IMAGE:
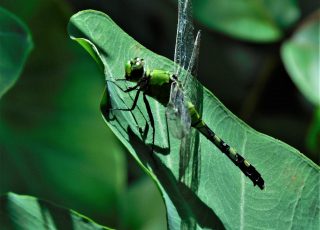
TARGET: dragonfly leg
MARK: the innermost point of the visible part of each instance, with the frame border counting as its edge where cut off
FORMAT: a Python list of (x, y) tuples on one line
[(148, 108), (120, 79), (129, 89), (134, 102), (115, 83)]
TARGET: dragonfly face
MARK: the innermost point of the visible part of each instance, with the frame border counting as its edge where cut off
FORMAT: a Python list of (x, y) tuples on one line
[(134, 69)]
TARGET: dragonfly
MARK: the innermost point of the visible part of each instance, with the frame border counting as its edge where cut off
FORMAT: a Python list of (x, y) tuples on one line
[(176, 90)]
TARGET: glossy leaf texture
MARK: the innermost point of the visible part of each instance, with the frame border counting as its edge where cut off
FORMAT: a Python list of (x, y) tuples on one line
[(26, 212), (300, 55), (202, 189), (251, 20), (15, 46)]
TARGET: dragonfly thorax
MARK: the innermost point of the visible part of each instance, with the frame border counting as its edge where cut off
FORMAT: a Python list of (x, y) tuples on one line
[(134, 69)]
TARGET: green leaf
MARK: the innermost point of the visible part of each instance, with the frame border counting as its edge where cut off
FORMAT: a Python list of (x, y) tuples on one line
[(15, 46), (51, 129), (139, 214), (300, 55), (213, 192), (26, 212), (77, 161), (252, 20)]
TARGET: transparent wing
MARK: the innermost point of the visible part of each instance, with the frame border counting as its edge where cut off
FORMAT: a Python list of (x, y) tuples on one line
[(178, 117), (193, 61), (184, 37), (179, 120), (190, 160), (189, 83)]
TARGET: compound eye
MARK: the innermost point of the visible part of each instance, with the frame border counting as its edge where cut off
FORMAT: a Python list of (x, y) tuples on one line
[(137, 63), (141, 61)]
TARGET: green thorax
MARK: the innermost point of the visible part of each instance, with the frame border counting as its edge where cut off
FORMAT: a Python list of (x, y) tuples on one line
[(159, 77), (159, 85)]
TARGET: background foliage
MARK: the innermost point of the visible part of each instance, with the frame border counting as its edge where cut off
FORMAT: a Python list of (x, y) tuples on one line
[(53, 141)]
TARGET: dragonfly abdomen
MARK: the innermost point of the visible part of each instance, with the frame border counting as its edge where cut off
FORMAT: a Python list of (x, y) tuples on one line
[(248, 169)]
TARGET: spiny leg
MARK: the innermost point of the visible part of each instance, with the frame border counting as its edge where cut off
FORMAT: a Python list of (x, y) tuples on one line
[(140, 87), (134, 105), (115, 83), (151, 119), (129, 89), (134, 101)]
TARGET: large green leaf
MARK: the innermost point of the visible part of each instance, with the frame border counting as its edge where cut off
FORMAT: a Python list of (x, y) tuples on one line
[(300, 55), (253, 20), (15, 46), (212, 193), (26, 212)]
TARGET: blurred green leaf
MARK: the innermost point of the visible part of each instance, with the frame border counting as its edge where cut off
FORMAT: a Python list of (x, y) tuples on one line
[(300, 55), (52, 130), (74, 158), (146, 210), (26, 212), (215, 194), (252, 20), (15, 46)]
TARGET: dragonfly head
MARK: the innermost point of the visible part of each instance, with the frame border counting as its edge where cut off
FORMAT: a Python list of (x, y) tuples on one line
[(134, 69)]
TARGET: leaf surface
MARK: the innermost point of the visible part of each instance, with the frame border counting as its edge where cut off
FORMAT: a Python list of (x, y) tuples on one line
[(26, 212), (204, 189)]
